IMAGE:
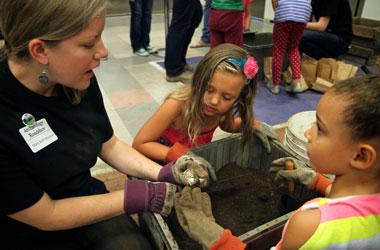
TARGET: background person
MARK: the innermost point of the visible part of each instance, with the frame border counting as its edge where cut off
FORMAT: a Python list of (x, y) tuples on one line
[(204, 41), (345, 142), (141, 19), (187, 15), (330, 35), (290, 19), (56, 127), (226, 22)]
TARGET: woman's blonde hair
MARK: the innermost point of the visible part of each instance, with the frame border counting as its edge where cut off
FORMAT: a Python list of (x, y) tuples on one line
[(50, 21), (216, 59)]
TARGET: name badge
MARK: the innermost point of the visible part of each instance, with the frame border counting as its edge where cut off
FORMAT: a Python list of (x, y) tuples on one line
[(38, 135)]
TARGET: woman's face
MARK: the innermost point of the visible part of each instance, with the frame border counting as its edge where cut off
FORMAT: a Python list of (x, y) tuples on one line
[(71, 61)]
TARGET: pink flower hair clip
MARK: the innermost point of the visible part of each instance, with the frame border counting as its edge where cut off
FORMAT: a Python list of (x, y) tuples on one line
[(249, 66)]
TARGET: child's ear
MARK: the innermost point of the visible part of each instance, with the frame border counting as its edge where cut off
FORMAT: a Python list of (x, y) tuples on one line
[(37, 50), (365, 156)]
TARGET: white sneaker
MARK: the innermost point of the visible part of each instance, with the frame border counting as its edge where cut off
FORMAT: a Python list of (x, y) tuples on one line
[(141, 52), (151, 50), (294, 88), (274, 89)]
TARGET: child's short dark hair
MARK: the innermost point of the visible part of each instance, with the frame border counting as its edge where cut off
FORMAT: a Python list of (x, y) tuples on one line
[(362, 114)]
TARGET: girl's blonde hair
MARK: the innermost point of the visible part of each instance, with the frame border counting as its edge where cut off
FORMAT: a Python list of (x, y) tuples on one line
[(216, 59), (50, 21)]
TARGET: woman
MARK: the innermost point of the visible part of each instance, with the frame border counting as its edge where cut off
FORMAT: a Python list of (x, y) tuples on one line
[(56, 127)]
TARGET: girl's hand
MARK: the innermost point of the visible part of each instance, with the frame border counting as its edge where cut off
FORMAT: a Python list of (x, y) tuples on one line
[(266, 134)]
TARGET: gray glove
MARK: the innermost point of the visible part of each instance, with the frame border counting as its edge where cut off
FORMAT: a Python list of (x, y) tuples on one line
[(301, 172), (188, 170), (194, 214), (266, 133)]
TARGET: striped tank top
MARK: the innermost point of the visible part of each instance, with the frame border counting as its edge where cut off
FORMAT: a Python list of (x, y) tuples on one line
[(346, 223), (292, 10)]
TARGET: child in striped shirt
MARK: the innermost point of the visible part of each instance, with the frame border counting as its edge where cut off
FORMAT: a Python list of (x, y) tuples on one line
[(290, 21)]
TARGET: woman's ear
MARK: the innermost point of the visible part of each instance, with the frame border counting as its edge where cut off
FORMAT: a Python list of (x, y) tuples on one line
[(364, 157), (37, 50)]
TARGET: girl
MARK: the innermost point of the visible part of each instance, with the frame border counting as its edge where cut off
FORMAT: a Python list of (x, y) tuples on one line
[(223, 87), (289, 23), (345, 141)]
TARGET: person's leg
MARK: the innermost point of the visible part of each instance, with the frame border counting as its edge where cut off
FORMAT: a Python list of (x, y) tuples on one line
[(205, 30), (296, 32), (216, 31), (177, 38), (120, 232), (280, 42), (318, 44), (135, 27), (146, 21), (196, 18), (232, 27)]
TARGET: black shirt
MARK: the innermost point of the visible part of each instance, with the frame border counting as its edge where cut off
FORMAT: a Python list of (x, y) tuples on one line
[(340, 15), (61, 169)]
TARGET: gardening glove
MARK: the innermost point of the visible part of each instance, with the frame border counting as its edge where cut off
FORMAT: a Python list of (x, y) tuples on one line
[(146, 196), (176, 151), (266, 134), (193, 209), (188, 170), (301, 173)]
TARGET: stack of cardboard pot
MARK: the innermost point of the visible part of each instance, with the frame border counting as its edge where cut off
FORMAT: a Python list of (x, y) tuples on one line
[(318, 75)]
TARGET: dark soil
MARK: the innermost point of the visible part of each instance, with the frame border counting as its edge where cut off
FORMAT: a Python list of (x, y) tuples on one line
[(242, 199)]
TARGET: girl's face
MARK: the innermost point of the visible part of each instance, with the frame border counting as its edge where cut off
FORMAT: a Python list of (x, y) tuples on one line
[(71, 62), (330, 147), (223, 90)]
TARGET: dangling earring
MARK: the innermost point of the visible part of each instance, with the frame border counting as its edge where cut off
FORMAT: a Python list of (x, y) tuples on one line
[(43, 78)]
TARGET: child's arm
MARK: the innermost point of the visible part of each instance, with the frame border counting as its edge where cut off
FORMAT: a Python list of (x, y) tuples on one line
[(248, 15), (263, 131), (274, 4), (321, 25), (300, 227), (146, 139)]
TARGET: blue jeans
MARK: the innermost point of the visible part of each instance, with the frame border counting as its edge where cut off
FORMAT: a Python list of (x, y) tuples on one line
[(187, 14), (205, 30), (317, 44), (141, 18)]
